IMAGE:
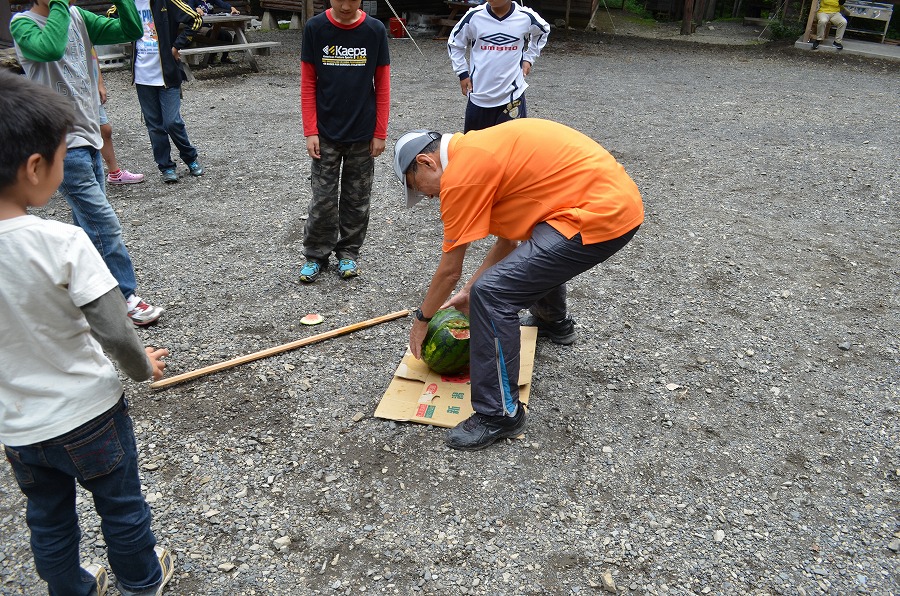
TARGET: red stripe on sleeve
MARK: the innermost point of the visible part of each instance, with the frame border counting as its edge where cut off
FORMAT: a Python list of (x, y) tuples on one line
[(308, 99), (382, 100)]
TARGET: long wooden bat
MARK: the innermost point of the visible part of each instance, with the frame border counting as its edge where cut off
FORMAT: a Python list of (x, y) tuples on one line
[(276, 350)]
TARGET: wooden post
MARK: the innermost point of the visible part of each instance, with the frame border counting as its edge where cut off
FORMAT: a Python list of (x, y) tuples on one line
[(309, 11), (807, 33), (687, 20)]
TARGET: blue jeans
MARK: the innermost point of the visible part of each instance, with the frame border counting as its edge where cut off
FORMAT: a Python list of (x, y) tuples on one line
[(84, 188), (161, 108), (102, 456), (534, 275)]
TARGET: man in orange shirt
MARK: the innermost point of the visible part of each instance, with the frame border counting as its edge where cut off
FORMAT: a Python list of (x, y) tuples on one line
[(558, 204)]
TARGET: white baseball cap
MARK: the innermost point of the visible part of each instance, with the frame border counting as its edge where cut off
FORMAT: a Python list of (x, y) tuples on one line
[(407, 147)]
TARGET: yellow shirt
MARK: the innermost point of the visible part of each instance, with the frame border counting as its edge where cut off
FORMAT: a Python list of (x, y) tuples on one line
[(829, 6), (506, 179)]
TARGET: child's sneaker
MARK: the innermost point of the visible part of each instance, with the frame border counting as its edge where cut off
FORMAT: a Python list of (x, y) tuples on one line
[(195, 168), (141, 313), (124, 177), (169, 175), (100, 576), (310, 271), (347, 268), (167, 563)]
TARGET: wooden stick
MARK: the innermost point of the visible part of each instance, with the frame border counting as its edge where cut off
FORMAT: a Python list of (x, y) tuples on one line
[(276, 350)]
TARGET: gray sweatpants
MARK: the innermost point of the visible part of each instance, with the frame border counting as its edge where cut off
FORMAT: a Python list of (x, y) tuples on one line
[(533, 275)]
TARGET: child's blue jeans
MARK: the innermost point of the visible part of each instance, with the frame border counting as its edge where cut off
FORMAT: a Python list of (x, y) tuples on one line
[(102, 456), (83, 187)]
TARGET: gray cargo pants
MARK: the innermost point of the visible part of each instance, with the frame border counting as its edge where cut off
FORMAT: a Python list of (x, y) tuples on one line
[(533, 275), (339, 208)]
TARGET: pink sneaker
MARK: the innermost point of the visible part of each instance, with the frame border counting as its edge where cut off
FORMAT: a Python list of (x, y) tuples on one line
[(124, 177)]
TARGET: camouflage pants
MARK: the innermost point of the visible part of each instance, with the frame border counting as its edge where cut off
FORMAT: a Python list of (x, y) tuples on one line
[(339, 208)]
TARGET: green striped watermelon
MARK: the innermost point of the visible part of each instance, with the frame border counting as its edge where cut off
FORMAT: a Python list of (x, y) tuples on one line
[(446, 346)]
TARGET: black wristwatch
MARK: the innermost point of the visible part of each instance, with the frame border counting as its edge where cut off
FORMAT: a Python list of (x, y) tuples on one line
[(421, 316)]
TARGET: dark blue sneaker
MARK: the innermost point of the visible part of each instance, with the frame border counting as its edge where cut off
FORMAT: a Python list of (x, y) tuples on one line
[(195, 168), (169, 176), (310, 272), (347, 268), (480, 430)]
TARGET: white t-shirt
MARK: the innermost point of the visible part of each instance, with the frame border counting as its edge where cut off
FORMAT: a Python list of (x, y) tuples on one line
[(147, 64), (54, 376), (498, 47)]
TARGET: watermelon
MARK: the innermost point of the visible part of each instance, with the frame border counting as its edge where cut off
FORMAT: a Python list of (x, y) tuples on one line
[(446, 346)]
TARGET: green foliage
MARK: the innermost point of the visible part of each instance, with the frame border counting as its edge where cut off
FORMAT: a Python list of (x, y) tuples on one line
[(785, 29), (637, 9)]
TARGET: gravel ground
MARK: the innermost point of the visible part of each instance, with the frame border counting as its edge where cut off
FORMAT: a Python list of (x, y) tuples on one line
[(727, 422)]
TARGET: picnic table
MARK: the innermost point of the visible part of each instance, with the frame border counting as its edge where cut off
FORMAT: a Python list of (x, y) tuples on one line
[(447, 23), (237, 23)]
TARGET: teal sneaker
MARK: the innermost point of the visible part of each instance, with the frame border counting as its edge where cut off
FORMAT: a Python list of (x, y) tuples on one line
[(169, 176), (310, 272), (195, 168), (347, 268)]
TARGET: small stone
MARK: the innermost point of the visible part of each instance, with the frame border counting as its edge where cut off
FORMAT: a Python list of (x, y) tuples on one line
[(607, 449), (241, 493), (283, 541), (358, 416), (845, 345), (672, 386), (894, 545), (150, 467), (226, 567), (719, 535), (609, 585)]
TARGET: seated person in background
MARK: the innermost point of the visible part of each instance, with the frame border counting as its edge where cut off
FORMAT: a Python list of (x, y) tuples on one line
[(830, 12), (205, 7)]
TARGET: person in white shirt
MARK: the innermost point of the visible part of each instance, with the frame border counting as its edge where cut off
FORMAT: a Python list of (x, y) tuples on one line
[(63, 414), (504, 39)]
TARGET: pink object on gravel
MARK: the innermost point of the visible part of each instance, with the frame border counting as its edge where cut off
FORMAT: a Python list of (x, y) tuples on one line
[(124, 177)]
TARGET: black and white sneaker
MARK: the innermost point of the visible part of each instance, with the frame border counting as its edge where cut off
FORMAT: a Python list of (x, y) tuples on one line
[(838, 45), (815, 44), (480, 430)]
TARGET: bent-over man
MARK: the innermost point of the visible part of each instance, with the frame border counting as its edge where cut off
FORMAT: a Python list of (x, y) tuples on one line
[(558, 204)]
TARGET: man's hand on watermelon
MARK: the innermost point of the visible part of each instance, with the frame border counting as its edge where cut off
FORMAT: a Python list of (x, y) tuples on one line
[(416, 337), (460, 301)]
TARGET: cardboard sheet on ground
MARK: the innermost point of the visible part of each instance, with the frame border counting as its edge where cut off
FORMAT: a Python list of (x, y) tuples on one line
[(416, 394)]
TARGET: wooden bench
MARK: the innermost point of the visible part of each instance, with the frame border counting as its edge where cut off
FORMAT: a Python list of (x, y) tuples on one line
[(251, 48), (300, 11)]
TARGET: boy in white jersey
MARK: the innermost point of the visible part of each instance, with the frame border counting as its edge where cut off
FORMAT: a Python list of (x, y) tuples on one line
[(505, 40)]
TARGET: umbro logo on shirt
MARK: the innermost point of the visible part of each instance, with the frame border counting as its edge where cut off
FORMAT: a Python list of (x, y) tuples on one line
[(499, 41)]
